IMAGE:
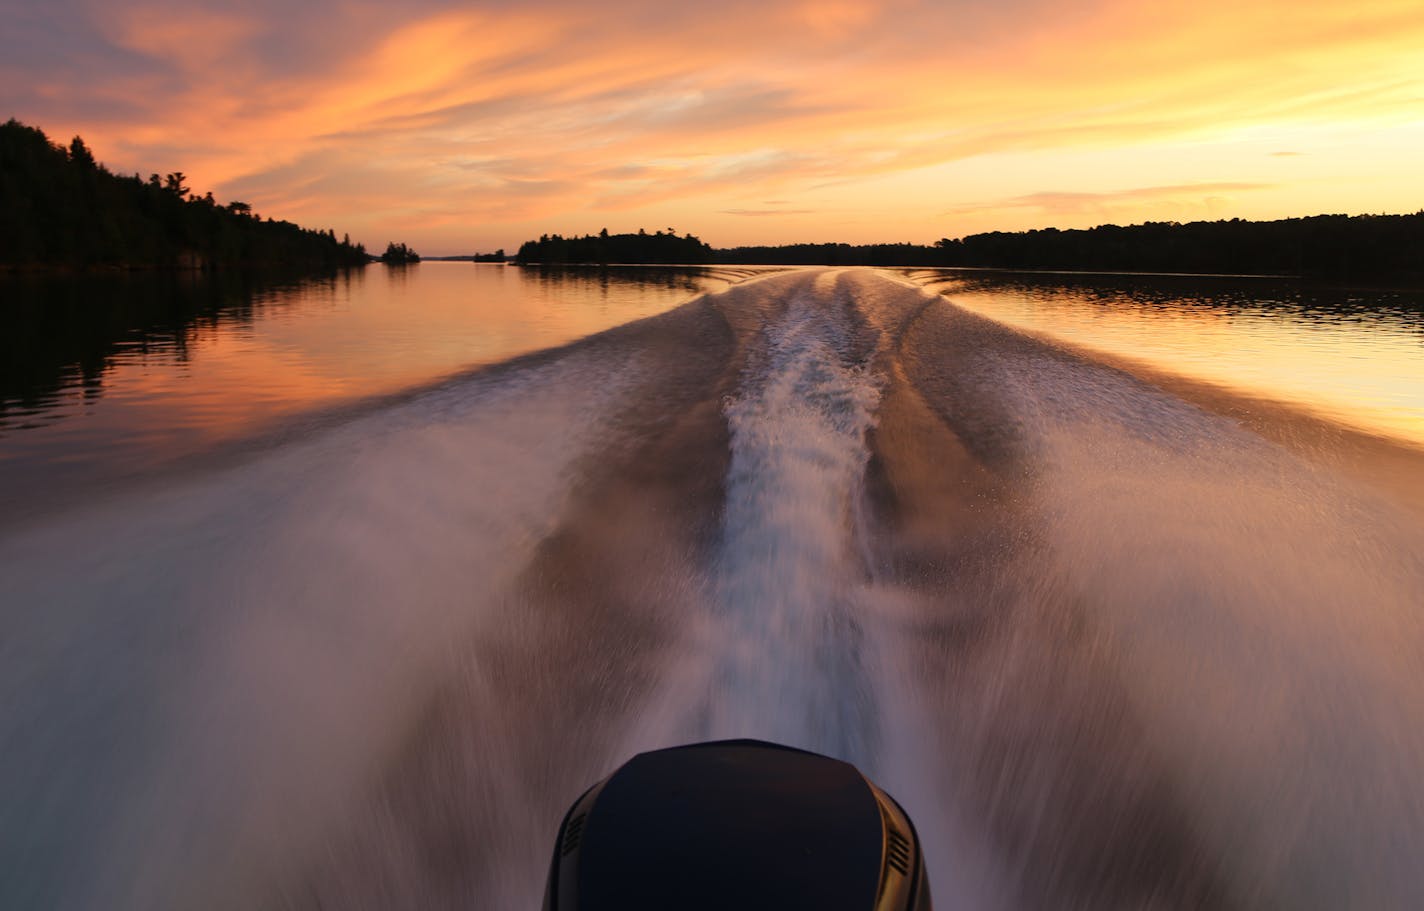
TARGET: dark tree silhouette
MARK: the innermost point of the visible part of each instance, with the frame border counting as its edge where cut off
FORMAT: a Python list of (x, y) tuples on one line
[(79, 154), (605, 249), (399, 255), (61, 208), (1362, 247), (1334, 247)]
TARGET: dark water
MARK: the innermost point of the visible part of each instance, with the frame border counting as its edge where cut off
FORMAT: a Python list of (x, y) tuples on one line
[(1115, 637)]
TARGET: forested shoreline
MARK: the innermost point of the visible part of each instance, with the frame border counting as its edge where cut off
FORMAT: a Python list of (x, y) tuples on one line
[(61, 209), (1340, 247), (1335, 247)]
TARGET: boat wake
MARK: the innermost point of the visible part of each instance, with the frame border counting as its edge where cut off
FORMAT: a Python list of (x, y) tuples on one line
[(1109, 646)]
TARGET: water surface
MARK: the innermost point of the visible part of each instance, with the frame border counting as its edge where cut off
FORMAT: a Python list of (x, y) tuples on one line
[(1111, 643), (111, 376), (1355, 355)]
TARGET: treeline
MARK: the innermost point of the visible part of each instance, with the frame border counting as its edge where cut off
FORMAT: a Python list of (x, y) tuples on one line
[(399, 255), (1322, 246), (495, 257), (832, 255), (60, 207), (1339, 247), (604, 248)]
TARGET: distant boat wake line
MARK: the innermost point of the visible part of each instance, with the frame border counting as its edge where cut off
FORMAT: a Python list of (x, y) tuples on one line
[(1110, 649)]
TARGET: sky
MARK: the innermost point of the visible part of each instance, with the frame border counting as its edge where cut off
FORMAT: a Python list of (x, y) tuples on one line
[(466, 127)]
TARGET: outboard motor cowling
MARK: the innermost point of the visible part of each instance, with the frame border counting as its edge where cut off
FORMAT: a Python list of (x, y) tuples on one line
[(736, 824)]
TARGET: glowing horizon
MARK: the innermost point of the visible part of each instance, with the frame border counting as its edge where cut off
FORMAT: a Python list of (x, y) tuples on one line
[(468, 128)]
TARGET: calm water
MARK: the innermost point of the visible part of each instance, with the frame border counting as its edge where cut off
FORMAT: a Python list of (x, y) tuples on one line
[(167, 370), (1353, 355), (315, 599), (106, 378)]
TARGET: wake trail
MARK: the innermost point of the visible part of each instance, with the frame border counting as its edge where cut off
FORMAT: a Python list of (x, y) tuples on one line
[(193, 673), (1260, 611), (1108, 648), (784, 577), (796, 632), (538, 706)]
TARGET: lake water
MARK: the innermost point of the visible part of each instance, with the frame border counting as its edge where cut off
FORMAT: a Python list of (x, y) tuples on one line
[(1353, 355), (174, 367), (335, 593)]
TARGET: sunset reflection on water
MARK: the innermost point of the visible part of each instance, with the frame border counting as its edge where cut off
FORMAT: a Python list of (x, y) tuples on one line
[(1352, 356), (189, 364)]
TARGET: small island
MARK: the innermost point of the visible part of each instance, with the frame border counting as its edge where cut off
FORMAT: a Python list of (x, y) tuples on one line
[(660, 248), (399, 255)]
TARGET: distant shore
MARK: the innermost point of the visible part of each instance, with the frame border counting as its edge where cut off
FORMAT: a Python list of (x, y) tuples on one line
[(1341, 248), (1401, 282)]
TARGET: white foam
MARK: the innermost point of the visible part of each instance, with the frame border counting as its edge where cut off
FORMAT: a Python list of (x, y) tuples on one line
[(1265, 615), (195, 681), (798, 456)]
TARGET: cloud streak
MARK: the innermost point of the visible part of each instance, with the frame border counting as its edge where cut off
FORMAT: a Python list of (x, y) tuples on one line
[(490, 119), (766, 212), (1069, 202)]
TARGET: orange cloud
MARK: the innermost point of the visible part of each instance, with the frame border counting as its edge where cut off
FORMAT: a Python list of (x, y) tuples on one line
[(836, 17), (193, 39), (1179, 202), (465, 126)]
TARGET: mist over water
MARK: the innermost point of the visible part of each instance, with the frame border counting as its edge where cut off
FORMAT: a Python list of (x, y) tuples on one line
[(1110, 646)]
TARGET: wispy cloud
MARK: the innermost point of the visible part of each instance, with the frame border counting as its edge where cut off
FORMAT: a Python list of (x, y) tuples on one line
[(1176, 202), (1072, 201), (760, 212), (486, 117)]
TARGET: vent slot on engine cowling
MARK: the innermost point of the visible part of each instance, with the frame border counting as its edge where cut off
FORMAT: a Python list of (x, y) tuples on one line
[(901, 870), (897, 851), (573, 833)]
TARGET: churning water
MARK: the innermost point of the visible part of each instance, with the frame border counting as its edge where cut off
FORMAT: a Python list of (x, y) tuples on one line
[(1112, 644)]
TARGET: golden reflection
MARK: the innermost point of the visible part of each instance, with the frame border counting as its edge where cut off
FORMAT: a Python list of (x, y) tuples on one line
[(323, 344), (1369, 379)]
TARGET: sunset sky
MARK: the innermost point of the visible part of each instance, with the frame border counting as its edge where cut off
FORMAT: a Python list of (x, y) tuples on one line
[(462, 127)]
